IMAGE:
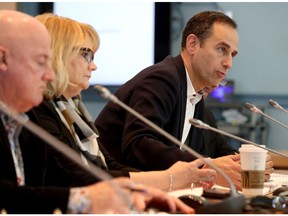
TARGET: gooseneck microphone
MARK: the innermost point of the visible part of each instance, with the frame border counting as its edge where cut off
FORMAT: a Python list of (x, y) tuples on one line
[(236, 201), (254, 109), (23, 119), (277, 106), (71, 154), (198, 123)]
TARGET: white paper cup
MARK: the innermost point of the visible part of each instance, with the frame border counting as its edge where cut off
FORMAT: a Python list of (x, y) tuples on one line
[(253, 161)]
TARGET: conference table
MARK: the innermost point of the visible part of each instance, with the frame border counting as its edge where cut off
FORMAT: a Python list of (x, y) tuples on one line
[(253, 205), (280, 162)]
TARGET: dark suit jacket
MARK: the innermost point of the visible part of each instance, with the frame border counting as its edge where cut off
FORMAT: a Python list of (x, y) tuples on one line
[(51, 122), (47, 182), (214, 144), (159, 93)]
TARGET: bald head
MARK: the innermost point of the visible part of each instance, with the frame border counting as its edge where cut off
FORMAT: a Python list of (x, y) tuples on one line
[(25, 67), (16, 26)]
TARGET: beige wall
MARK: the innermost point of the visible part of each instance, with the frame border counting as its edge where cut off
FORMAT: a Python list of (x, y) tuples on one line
[(8, 5)]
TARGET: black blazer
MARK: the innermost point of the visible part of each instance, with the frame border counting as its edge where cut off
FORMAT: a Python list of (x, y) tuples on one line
[(159, 92), (51, 122), (47, 182), (214, 144)]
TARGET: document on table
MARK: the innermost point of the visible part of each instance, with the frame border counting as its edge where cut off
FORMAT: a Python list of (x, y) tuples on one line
[(277, 180)]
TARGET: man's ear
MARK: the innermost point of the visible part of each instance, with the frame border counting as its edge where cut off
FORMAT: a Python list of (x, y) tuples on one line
[(3, 64), (192, 43)]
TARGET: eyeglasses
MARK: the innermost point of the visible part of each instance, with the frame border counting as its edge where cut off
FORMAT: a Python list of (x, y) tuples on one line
[(87, 53)]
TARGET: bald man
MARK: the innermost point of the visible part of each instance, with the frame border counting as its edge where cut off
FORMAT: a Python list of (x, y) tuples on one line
[(31, 178)]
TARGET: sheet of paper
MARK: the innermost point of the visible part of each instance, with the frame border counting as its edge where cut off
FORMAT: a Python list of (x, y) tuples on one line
[(195, 191)]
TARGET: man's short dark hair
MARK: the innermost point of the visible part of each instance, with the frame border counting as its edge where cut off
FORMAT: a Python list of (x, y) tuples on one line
[(201, 25)]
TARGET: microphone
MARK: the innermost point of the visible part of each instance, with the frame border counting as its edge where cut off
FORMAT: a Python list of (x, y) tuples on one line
[(71, 154), (23, 119), (254, 109), (198, 123), (232, 204), (277, 106)]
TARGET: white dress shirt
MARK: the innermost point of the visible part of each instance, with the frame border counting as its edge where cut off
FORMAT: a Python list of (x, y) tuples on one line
[(13, 129), (192, 99)]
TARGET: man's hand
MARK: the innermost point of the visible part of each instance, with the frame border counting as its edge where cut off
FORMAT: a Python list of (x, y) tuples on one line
[(231, 166), (269, 167)]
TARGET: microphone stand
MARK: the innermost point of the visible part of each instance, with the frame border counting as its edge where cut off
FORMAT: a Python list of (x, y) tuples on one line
[(254, 109), (198, 123), (71, 154), (277, 106), (23, 119), (233, 206)]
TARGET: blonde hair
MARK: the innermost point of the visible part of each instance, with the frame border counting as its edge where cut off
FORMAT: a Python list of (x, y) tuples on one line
[(67, 37)]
